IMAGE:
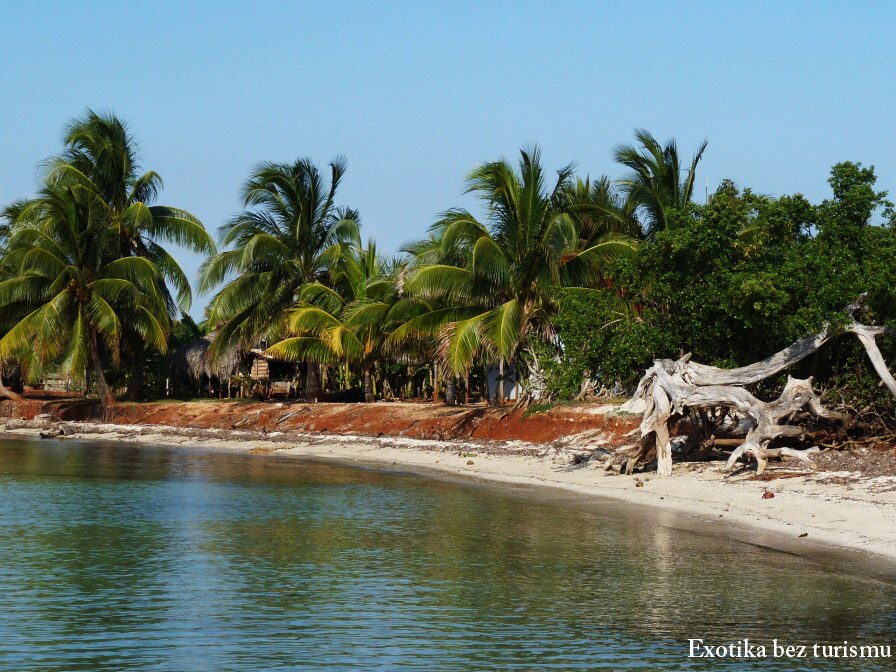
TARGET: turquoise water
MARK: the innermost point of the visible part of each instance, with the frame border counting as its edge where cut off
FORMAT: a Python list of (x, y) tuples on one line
[(115, 557)]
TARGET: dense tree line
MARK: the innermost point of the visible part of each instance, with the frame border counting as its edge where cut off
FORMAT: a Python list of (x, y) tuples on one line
[(739, 278), (574, 283)]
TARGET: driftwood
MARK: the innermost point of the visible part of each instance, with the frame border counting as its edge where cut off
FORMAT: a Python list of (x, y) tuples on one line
[(671, 388)]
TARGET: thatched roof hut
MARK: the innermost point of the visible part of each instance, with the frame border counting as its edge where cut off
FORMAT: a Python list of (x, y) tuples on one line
[(193, 362)]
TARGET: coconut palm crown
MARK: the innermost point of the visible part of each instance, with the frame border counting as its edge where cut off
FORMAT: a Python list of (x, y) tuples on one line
[(290, 234), (494, 284), (656, 182), (101, 156), (349, 319)]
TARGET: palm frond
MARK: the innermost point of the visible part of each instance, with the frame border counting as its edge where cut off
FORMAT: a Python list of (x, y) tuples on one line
[(303, 348), (179, 227), (503, 326), (459, 342)]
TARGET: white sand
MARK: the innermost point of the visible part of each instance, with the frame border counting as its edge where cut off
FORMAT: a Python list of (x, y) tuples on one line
[(859, 515)]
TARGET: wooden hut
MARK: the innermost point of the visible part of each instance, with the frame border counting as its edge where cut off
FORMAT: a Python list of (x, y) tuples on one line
[(278, 377), (192, 369)]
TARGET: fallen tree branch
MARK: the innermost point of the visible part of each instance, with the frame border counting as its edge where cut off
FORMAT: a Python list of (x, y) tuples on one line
[(671, 388), (8, 393)]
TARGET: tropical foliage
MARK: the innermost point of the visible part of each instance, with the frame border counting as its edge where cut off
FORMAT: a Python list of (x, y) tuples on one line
[(291, 234), (348, 319), (87, 273), (492, 285), (742, 277), (571, 283), (73, 291), (656, 184), (100, 157)]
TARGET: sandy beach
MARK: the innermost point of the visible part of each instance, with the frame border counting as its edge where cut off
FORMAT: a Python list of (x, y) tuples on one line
[(809, 512)]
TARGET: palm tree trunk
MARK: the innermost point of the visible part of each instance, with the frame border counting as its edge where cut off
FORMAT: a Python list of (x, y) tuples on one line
[(102, 386), (450, 395), (135, 384), (435, 382), (369, 396), (501, 382), (312, 383)]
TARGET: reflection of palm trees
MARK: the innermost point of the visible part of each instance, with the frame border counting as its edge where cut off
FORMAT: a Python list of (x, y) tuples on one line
[(84, 561), (279, 558)]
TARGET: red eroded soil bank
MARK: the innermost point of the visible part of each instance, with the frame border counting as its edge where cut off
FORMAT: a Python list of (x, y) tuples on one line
[(416, 420)]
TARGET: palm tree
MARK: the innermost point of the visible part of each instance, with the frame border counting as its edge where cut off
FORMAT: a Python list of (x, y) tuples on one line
[(73, 292), (599, 209), (349, 319), (290, 234), (100, 156), (8, 367), (656, 183), (493, 286)]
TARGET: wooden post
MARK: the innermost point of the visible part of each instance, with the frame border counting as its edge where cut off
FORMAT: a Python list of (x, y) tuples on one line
[(369, 391), (435, 382)]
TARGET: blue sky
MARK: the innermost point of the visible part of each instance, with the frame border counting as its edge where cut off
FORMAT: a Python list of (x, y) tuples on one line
[(415, 94)]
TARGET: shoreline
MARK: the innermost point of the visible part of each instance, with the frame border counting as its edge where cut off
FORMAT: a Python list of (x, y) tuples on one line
[(815, 514)]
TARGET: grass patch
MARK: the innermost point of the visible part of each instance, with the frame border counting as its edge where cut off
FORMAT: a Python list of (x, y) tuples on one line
[(537, 409)]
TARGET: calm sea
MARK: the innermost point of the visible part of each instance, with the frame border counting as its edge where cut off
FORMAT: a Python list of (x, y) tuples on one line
[(116, 557)]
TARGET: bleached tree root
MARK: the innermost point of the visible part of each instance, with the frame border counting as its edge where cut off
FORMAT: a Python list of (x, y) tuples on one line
[(671, 388), (803, 456), (762, 456), (669, 395)]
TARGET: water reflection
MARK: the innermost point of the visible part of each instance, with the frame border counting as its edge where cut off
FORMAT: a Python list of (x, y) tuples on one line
[(125, 558)]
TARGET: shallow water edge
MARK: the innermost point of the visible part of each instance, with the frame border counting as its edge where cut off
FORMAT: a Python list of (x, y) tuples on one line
[(671, 510)]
